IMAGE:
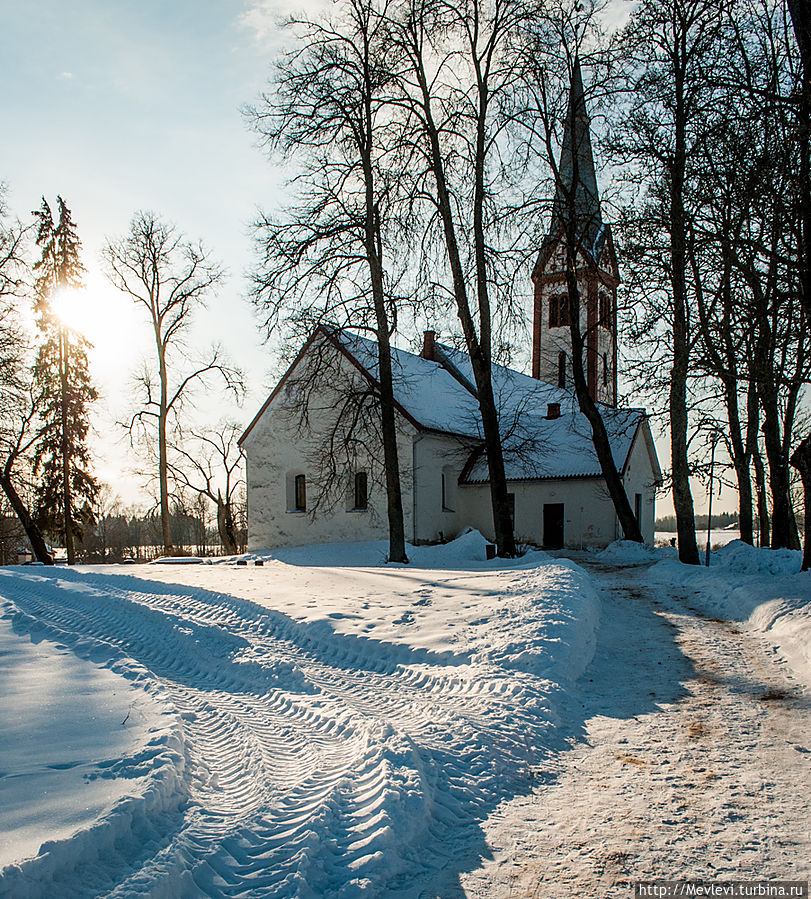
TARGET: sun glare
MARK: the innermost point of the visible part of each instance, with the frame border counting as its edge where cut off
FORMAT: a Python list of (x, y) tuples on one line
[(73, 309)]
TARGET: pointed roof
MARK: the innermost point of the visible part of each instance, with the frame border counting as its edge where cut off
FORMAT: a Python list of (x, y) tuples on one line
[(438, 396), (577, 180)]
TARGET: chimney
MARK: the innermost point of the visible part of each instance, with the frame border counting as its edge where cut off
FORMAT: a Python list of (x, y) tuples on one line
[(553, 410), (428, 338)]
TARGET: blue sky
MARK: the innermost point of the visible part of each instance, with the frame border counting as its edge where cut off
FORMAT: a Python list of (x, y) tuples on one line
[(121, 106)]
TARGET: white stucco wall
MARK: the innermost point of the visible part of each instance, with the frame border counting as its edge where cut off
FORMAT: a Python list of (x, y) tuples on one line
[(589, 518), (275, 453), (640, 477), (434, 455)]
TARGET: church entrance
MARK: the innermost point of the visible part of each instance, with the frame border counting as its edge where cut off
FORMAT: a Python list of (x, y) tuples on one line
[(553, 525)]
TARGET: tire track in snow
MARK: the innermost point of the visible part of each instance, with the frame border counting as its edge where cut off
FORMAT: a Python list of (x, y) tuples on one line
[(318, 763)]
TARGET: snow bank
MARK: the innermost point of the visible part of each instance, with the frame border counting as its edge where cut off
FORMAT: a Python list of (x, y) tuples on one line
[(761, 587), (335, 731), (469, 547), (629, 552)]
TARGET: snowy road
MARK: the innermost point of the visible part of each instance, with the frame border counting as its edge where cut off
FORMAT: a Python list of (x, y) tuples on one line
[(696, 761)]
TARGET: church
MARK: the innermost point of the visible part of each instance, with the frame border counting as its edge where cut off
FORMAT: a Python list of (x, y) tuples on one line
[(314, 467)]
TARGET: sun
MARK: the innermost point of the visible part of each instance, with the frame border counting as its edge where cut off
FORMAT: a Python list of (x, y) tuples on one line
[(73, 308)]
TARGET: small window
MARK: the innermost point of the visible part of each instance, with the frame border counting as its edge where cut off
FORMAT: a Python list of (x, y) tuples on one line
[(301, 493), (558, 311), (561, 369), (605, 310), (605, 369), (361, 490), (553, 410), (638, 509)]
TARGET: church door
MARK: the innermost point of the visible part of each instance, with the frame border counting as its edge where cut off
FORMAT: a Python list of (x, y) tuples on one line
[(553, 525)]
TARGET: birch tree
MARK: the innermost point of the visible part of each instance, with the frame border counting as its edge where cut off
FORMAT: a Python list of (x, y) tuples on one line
[(170, 278)]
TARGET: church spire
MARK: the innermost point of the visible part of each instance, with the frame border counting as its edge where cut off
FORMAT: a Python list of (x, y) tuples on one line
[(596, 267), (577, 180)]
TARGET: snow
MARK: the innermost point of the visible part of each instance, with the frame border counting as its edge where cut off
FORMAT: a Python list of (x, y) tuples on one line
[(328, 725), (762, 588), (307, 728), (535, 446)]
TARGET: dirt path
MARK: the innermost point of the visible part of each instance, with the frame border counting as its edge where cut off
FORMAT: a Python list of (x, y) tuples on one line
[(695, 762)]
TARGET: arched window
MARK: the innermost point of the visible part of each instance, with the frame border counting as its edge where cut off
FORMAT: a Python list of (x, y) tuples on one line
[(361, 490), (558, 311), (561, 369), (300, 493)]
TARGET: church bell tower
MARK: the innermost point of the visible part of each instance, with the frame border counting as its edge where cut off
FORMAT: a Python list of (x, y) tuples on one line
[(597, 274)]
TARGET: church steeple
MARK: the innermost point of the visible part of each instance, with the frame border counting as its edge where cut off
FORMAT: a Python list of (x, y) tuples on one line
[(576, 192), (576, 182)]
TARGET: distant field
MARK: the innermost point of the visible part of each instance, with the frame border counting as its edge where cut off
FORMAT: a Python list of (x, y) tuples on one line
[(718, 537)]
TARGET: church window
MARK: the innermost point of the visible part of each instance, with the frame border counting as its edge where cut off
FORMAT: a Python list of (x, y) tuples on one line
[(300, 493), (361, 490), (561, 369), (558, 311), (605, 310), (605, 369)]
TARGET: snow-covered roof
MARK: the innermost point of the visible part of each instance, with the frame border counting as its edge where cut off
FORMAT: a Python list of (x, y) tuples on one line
[(426, 390), (438, 395)]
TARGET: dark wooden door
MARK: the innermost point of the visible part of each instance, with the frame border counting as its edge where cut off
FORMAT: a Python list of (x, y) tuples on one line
[(553, 525)]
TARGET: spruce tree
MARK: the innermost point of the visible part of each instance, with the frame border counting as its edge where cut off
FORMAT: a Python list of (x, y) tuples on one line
[(66, 488)]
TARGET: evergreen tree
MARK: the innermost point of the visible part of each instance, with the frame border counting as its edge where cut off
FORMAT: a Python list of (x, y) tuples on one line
[(66, 489)]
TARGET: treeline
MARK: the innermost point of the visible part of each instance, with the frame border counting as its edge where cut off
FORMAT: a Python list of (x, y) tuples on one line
[(722, 520), (130, 535)]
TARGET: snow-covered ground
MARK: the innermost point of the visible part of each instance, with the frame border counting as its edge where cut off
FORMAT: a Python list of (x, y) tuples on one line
[(326, 725)]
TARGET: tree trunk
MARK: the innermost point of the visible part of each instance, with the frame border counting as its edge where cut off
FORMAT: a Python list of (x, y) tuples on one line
[(33, 533), (388, 422), (226, 527), (784, 531), (599, 435), (163, 456), (762, 502), (479, 353), (67, 501), (801, 460), (679, 462), (740, 461)]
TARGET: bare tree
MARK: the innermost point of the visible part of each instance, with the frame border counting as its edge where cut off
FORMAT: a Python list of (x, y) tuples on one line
[(171, 278), (801, 19), (670, 50), (462, 70), (327, 112), (211, 468)]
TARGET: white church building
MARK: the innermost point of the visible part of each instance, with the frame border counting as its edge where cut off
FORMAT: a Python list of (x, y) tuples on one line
[(313, 453)]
